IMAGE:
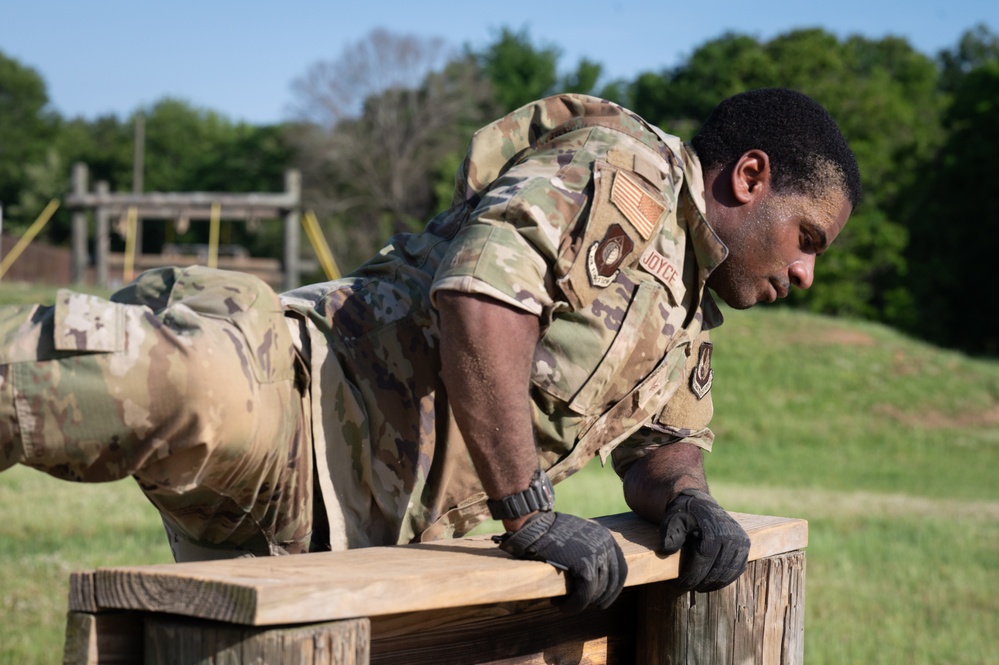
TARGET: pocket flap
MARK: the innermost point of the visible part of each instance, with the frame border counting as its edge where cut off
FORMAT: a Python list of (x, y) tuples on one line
[(87, 323), (625, 215)]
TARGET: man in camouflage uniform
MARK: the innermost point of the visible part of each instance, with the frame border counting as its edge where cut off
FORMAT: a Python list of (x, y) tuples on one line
[(556, 311)]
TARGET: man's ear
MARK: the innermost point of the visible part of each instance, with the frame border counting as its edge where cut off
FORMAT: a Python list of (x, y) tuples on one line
[(751, 176)]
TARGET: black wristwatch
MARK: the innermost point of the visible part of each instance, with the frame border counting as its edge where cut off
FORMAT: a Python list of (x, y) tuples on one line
[(539, 495)]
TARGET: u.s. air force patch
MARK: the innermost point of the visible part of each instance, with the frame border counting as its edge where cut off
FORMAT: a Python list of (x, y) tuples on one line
[(605, 256), (703, 375)]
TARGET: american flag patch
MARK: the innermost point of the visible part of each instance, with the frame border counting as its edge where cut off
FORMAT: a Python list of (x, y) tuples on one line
[(638, 207)]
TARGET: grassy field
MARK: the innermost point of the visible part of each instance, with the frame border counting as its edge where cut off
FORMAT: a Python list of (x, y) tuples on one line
[(887, 446)]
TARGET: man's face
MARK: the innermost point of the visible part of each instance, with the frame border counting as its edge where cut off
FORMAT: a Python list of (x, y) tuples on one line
[(773, 241)]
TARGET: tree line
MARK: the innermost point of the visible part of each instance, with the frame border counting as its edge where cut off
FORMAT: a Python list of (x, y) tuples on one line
[(379, 130)]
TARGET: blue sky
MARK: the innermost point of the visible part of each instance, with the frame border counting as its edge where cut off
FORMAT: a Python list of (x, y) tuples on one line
[(239, 58)]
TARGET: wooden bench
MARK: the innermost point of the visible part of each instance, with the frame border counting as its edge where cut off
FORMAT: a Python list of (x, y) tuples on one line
[(452, 602)]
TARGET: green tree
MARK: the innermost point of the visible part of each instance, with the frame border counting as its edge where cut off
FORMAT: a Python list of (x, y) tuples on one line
[(954, 221), (976, 47), (583, 79), (377, 125), (519, 71), (27, 127), (884, 96), (104, 144), (186, 149), (193, 149)]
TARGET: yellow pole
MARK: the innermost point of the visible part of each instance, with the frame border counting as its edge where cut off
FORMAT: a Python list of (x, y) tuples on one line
[(131, 223), (320, 245), (213, 236), (28, 236)]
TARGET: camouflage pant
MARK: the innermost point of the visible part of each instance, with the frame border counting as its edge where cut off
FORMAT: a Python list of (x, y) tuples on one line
[(187, 380)]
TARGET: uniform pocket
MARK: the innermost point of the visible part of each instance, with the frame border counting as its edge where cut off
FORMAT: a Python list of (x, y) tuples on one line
[(244, 301), (588, 366), (625, 216)]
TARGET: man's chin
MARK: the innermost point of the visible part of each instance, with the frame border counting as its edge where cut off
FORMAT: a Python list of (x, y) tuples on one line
[(736, 300)]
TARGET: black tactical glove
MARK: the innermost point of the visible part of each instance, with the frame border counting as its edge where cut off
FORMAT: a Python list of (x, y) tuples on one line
[(584, 549), (715, 546)]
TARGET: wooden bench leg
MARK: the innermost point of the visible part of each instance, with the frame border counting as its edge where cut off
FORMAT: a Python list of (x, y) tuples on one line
[(759, 619), (178, 641), (108, 638)]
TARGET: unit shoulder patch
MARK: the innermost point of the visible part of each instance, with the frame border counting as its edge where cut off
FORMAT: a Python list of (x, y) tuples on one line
[(702, 376), (605, 256)]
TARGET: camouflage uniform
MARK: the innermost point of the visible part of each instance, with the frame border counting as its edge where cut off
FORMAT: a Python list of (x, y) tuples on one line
[(188, 380), (570, 208)]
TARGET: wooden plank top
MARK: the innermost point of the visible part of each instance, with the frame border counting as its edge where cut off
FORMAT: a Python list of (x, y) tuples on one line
[(376, 581)]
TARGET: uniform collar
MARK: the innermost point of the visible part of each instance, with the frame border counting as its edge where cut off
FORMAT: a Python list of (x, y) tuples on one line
[(709, 250), (708, 247)]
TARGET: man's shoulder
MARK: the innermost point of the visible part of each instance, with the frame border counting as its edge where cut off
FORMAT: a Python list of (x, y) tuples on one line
[(495, 147)]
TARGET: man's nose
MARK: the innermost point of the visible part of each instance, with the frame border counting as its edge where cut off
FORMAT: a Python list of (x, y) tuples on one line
[(802, 272)]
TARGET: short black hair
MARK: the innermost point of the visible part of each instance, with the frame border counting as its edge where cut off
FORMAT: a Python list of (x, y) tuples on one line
[(797, 133)]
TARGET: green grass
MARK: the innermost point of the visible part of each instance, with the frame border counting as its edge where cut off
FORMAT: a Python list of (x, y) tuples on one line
[(886, 445), (50, 528), (19, 293)]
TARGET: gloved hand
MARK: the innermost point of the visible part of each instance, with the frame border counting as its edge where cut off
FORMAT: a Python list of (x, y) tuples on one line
[(583, 548), (716, 548)]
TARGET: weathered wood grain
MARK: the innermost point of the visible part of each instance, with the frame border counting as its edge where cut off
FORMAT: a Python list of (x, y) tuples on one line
[(387, 580), (82, 595), (171, 640), (759, 620), (111, 638), (537, 633)]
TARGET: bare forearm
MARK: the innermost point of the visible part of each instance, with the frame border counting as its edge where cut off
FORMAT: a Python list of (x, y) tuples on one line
[(654, 480), (487, 351)]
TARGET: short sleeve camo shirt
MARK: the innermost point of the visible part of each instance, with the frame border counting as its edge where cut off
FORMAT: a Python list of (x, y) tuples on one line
[(571, 208)]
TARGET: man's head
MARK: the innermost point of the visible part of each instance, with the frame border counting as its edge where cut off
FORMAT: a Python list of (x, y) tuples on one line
[(780, 182)]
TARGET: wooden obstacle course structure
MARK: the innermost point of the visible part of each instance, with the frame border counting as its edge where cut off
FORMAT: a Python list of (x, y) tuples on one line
[(192, 206), (458, 602)]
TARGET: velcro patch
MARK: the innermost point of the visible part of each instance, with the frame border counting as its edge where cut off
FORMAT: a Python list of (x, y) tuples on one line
[(663, 270), (636, 204)]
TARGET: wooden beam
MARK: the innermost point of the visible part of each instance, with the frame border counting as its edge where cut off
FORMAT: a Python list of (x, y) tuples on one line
[(388, 580), (182, 200), (169, 640), (533, 633)]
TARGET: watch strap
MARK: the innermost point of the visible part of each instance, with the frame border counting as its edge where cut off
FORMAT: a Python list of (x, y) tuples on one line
[(539, 496)]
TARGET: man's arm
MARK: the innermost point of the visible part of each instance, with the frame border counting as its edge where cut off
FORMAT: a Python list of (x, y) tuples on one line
[(487, 350), (487, 354), (657, 478), (667, 487)]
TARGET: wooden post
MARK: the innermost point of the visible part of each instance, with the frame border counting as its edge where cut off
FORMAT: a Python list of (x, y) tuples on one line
[(293, 186), (102, 237), (109, 638), (170, 640), (759, 619), (79, 226), (138, 169)]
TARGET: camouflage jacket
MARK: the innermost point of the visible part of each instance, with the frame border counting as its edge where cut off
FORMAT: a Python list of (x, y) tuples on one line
[(571, 208)]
